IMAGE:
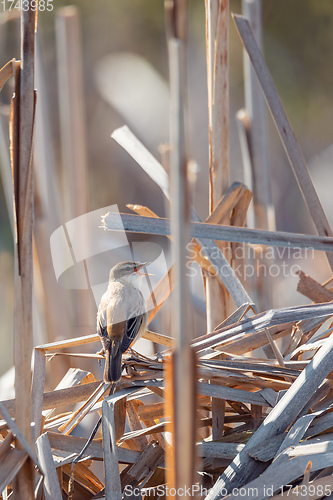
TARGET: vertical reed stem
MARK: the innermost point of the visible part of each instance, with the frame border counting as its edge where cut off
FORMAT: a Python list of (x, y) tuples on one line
[(22, 126), (181, 380)]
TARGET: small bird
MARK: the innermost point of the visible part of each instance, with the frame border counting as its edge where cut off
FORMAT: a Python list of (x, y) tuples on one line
[(122, 315)]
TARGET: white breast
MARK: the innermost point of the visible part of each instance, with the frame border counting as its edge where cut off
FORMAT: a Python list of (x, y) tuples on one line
[(120, 302)]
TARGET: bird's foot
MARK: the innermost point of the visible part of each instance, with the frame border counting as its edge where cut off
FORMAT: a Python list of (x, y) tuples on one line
[(101, 353), (130, 370), (131, 353)]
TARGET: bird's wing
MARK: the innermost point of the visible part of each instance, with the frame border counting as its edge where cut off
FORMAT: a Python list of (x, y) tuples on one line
[(131, 332), (121, 314)]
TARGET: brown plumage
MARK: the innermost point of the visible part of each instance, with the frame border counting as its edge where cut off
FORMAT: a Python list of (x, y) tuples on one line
[(122, 315)]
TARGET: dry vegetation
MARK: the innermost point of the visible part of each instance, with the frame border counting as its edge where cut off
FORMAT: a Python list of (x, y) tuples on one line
[(259, 421)]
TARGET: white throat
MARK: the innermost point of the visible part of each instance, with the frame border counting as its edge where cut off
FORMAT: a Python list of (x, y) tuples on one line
[(134, 279)]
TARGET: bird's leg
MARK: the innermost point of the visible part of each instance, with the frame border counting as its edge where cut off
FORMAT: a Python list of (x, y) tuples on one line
[(131, 371), (131, 351)]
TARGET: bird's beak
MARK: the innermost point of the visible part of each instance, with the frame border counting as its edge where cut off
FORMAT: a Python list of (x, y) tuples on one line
[(141, 266)]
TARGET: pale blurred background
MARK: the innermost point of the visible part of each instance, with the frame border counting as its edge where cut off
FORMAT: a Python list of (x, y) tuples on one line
[(124, 80)]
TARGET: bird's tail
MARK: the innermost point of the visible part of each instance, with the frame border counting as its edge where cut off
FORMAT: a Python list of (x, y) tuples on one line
[(112, 369)]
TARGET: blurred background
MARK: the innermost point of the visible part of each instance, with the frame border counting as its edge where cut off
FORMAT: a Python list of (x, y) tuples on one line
[(121, 72)]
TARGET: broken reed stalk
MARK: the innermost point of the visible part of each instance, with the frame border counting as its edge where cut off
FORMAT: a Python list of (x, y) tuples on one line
[(210, 232), (180, 375), (219, 106), (52, 489), (5, 73), (22, 128), (5, 164), (217, 296), (283, 126), (310, 288)]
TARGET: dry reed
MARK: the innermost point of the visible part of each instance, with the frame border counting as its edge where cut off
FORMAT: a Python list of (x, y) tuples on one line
[(236, 420)]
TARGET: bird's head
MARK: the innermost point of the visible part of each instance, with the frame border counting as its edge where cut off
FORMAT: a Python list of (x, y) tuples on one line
[(129, 271)]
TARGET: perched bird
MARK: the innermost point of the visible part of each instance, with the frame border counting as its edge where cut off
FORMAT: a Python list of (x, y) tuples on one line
[(122, 315)]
